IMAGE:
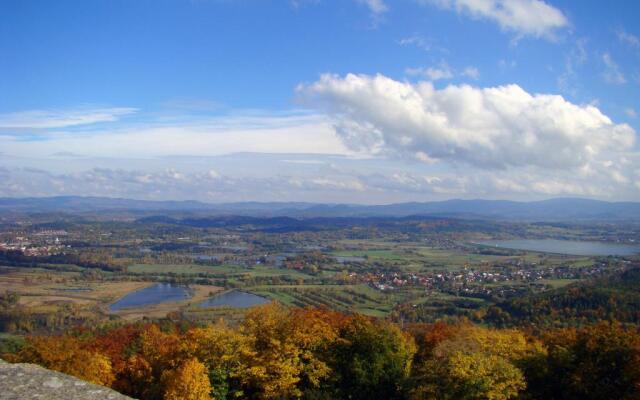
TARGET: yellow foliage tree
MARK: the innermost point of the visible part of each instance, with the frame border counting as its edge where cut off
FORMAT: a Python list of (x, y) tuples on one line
[(279, 352), (314, 330), (477, 363), (480, 376), (510, 344), (190, 381), (271, 359), (219, 348)]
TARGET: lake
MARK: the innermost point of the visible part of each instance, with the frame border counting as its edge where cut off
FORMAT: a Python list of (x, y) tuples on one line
[(235, 299), (155, 294), (570, 247)]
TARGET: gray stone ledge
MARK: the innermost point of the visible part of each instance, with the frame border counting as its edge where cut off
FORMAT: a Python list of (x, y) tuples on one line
[(28, 381)]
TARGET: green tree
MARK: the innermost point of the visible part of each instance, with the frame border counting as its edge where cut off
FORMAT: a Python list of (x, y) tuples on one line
[(371, 360)]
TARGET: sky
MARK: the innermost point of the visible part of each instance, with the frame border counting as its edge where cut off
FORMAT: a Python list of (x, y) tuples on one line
[(331, 101)]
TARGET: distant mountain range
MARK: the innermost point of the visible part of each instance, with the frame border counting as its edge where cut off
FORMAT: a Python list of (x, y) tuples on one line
[(560, 209)]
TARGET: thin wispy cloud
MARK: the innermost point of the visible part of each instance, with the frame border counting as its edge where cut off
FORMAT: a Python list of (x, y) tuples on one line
[(506, 64), (422, 43), (376, 7), (628, 38), (442, 72), (45, 119), (471, 72), (612, 73), (568, 81), (417, 41), (293, 133)]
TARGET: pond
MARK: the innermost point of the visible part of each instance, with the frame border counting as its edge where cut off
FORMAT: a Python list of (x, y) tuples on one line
[(235, 299), (570, 247), (155, 294)]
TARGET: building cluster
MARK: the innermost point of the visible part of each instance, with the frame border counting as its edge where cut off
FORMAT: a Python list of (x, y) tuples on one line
[(474, 281), (45, 243)]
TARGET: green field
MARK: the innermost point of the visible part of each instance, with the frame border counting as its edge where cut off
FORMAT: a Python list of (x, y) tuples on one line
[(371, 254), (558, 283), (229, 270), (360, 298)]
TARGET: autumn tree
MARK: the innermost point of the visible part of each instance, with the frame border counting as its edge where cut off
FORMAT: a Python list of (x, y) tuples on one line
[(314, 353), (68, 355), (116, 343), (315, 331), (279, 353), (189, 381), (594, 362), (140, 356), (476, 363), (219, 348)]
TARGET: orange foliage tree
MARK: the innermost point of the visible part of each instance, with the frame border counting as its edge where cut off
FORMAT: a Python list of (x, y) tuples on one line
[(70, 356)]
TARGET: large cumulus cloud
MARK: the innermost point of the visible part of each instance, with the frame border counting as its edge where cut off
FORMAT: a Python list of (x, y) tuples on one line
[(492, 128)]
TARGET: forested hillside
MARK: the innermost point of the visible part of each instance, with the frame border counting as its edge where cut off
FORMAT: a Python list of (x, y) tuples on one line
[(614, 297), (280, 353)]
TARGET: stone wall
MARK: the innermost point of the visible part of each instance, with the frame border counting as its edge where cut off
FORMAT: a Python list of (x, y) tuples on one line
[(28, 381)]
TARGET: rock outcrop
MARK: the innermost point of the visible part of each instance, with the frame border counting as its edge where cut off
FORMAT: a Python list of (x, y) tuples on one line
[(28, 381)]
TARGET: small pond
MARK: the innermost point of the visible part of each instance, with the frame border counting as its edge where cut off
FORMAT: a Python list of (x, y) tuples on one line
[(155, 294), (235, 299), (571, 247)]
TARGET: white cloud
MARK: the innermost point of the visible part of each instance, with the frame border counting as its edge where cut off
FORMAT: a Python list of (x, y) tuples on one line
[(612, 73), (504, 64), (299, 3), (292, 134), (466, 141), (628, 38), (443, 71), (174, 184), (44, 119), (418, 41), (496, 127), (471, 72), (335, 185), (524, 17), (422, 43), (304, 162), (631, 113), (377, 7), (575, 58)]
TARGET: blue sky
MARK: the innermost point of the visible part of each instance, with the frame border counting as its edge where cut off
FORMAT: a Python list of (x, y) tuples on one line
[(366, 101)]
